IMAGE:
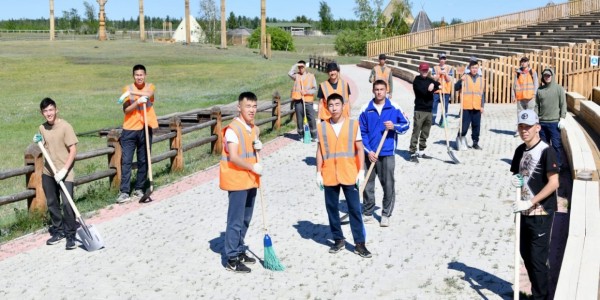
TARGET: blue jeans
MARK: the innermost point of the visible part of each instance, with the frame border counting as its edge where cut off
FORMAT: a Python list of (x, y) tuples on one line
[(130, 141), (471, 117), (436, 101), (332, 202), (239, 215), (551, 135)]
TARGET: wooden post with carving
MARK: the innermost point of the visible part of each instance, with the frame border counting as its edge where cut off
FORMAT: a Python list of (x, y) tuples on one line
[(216, 145), (33, 156), (114, 159), (176, 144), (102, 21), (276, 124)]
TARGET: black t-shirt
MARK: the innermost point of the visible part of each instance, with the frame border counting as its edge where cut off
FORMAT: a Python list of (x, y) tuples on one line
[(334, 86), (423, 97), (534, 165)]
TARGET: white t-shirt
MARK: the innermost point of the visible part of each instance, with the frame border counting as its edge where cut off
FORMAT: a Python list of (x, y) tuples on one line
[(230, 135), (337, 127), (379, 107)]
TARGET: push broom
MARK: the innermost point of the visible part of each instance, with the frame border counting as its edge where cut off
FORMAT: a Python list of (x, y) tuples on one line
[(306, 127), (271, 261)]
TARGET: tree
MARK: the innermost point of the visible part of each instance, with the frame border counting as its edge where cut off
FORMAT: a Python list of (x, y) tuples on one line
[(325, 16), (91, 23), (397, 24), (208, 17), (231, 21), (369, 16), (280, 39)]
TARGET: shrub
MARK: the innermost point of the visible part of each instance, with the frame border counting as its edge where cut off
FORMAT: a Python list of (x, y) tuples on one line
[(280, 39), (354, 42)]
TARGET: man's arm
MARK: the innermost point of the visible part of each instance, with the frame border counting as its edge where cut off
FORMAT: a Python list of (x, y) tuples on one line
[(319, 158), (149, 93), (71, 157), (513, 97), (361, 154), (364, 131), (312, 90), (562, 104), (235, 158), (548, 189), (391, 82), (293, 71), (372, 76)]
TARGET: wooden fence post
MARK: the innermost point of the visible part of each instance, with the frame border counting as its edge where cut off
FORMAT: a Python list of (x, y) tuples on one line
[(268, 48), (177, 160), (216, 145), (114, 159), (276, 125), (33, 156)]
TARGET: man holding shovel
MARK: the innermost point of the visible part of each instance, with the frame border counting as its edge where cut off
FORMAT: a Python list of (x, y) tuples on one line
[(136, 96), (473, 100), (303, 96), (535, 170), (377, 116), (60, 141), (240, 176)]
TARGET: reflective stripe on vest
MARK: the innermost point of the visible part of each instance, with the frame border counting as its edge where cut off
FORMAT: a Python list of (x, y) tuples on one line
[(340, 164), (446, 85), (472, 92), (303, 82), (134, 120), (383, 75), (524, 87), (232, 177), (342, 89)]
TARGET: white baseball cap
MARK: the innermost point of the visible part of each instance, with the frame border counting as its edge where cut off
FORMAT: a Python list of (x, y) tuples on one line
[(528, 117)]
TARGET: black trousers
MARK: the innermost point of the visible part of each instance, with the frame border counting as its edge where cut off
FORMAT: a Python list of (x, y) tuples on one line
[(535, 246), (310, 116), (62, 220), (134, 141)]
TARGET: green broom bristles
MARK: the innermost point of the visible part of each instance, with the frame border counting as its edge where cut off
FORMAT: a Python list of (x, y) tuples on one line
[(271, 261)]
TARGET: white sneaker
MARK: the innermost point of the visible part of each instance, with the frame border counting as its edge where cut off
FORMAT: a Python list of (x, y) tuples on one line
[(385, 222), (368, 219)]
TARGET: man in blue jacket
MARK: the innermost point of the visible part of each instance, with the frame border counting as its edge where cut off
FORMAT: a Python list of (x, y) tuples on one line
[(377, 116)]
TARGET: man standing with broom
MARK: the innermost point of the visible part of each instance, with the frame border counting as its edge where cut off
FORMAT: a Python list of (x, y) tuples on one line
[(303, 95), (60, 141), (340, 160), (240, 176), (377, 116)]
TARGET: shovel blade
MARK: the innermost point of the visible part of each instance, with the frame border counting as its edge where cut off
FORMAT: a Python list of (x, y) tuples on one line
[(306, 134), (90, 238), (453, 157)]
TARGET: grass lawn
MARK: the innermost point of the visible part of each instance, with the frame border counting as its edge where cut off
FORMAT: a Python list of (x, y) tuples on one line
[(86, 78)]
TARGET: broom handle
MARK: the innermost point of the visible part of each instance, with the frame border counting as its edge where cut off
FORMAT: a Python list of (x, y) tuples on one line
[(461, 110), (148, 155), (262, 203), (443, 103), (362, 186), (516, 283)]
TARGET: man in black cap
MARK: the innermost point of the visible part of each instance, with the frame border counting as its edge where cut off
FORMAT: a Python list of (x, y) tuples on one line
[(336, 85), (383, 72), (468, 67), (525, 84)]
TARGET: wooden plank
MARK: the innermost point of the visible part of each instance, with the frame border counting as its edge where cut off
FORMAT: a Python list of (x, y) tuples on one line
[(589, 274)]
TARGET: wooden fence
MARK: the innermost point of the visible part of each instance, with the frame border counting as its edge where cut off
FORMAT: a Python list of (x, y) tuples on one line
[(464, 30), (172, 128), (318, 62)]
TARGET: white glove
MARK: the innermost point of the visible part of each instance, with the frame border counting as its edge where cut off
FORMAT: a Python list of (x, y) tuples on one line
[(257, 168), (60, 175), (517, 180), (360, 178), (122, 98), (561, 123), (320, 181), (257, 144), (142, 100), (37, 138), (518, 206)]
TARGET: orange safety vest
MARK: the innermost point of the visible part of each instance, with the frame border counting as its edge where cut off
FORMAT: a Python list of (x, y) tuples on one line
[(342, 89), (340, 162), (383, 75), (472, 92), (524, 87), (303, 82), (446, 85), (232, 177), (134, 120)]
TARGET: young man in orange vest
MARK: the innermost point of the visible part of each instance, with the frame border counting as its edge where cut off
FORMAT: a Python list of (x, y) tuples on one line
[(239, 175), (524, 88), (303, 96), (340, 159), (133, 135), (334, 84), (473, 92), (444, 75), (383, 72)]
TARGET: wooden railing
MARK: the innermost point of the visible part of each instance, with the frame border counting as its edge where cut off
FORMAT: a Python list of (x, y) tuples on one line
[(318, 62), (172, 128), (464, 30)]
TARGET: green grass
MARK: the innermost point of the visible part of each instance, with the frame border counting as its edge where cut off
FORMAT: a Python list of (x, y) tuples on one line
[(86, 77)]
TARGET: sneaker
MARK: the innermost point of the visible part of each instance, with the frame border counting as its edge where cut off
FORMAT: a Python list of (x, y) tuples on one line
[(315, 140), (55, 239), (425, 156), (123, 197), (477, 147), (244, 258), (368, 219), (71, 243), (361, 250), (385, 221), (137, 194), (337, 246), (235, 265), (414, 158)]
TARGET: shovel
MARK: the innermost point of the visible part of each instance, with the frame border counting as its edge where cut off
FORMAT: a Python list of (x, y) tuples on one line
[(89, 236), (450, 153), (517, 271), (146, 197)]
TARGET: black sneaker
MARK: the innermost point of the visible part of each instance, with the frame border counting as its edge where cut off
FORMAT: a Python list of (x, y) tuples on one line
[(338, 245), (244, 258), (55, 239), (361, 250), (235, 265), (71, 243), (425, 156), (414, 158), (477, 147)]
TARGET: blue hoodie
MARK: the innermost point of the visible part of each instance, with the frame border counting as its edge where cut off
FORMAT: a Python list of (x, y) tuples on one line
[(372, 128)]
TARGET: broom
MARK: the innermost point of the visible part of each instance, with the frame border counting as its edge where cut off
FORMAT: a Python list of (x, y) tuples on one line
[(270, 261), (306, 127)]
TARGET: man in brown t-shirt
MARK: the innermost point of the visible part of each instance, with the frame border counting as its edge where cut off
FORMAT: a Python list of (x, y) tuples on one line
[(60, 141)]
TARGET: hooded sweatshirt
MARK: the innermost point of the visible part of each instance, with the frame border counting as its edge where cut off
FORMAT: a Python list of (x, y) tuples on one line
[(551, 100)]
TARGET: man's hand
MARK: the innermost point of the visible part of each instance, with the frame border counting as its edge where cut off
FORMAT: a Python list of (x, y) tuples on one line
[(389, 125), (430, 87), (122, 98), (360, 178), (257, 169), (37, 138), (517, 180), (320, 181), (372, 156), (257, 144), (518, 206), (142, 100), (60, 175), (561, 123)]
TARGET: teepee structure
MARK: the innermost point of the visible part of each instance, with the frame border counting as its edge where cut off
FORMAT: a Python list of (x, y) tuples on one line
[(196, 32)]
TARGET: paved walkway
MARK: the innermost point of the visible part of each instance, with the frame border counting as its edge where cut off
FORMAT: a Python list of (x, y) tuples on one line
[(451, 234)]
